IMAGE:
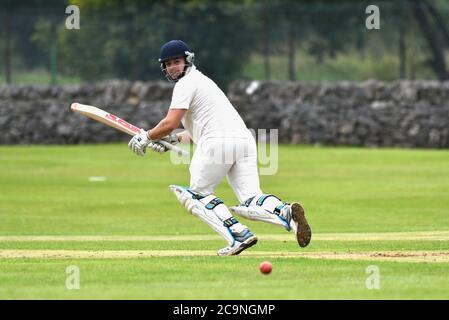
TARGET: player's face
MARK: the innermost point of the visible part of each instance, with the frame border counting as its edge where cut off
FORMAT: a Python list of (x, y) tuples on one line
[(175, 67)]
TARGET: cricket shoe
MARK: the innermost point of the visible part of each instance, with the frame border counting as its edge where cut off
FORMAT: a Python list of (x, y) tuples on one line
[(294, 215), (243, 240)]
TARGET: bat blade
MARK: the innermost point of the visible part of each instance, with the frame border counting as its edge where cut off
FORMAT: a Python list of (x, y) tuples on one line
[(112, 120), (105, 117)]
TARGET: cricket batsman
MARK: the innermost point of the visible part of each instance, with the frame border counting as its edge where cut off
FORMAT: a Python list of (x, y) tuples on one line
[(224, 147)]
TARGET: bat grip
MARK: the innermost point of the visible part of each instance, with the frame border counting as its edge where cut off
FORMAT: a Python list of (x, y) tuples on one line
[(176, 149)]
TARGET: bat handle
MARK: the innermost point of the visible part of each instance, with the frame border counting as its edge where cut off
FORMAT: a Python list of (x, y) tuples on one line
[(176, 149)]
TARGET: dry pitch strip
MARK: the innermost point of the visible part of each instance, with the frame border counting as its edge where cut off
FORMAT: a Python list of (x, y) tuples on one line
[(430, 256)]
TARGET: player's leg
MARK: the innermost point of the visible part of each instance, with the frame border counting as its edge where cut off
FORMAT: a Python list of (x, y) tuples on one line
[(216, 215), (206, 173), (255, 205), (271, 209)]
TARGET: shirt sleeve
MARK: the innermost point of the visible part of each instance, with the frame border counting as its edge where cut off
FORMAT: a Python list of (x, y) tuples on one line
[(182, 95)]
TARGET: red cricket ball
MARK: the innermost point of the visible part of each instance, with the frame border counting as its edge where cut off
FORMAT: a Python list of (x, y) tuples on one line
[(265, 267)]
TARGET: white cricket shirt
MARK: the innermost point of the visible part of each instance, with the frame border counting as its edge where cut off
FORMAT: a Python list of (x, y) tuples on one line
[(209, 111)]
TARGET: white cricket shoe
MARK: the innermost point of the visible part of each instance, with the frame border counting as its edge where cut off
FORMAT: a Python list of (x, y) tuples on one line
[(243, 240)]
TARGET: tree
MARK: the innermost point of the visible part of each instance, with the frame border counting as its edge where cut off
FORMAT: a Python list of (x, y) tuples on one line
[(122, 38), (437, 61), (7, 12)]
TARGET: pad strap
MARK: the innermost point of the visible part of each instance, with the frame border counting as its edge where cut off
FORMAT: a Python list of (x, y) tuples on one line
[(264, 197), (278, 209), (230, 222), (213, 203)]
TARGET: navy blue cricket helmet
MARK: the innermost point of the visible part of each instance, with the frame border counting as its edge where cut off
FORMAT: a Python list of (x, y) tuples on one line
[(176, 49)]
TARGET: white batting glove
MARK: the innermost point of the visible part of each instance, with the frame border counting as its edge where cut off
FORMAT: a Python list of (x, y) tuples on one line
[(172, 138), (138, 144), (157, 147)]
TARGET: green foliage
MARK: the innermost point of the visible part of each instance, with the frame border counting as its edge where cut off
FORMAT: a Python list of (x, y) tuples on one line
[(122, 38), (124, 42), (43, 35)]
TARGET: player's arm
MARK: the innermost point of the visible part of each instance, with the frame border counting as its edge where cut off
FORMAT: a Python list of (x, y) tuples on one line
[(162, 130), (182, 96), (167, 125)]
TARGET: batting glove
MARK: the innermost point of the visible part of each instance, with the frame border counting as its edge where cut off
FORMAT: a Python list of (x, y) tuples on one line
[(157, 147), (138, 144), (172, 138)]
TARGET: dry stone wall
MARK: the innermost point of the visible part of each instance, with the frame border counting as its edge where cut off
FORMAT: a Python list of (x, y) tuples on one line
[(399, 114)]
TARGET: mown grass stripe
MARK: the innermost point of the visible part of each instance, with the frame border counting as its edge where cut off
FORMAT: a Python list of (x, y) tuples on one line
[(384, 236)]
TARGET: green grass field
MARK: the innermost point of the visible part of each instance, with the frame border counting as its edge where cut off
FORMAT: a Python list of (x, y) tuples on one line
[(131, 239)]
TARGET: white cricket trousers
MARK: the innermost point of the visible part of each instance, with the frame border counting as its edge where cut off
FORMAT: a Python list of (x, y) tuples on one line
[(231, 156)]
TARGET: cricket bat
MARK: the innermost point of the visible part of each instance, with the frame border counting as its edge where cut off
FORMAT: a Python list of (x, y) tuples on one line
[(112, 120)]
